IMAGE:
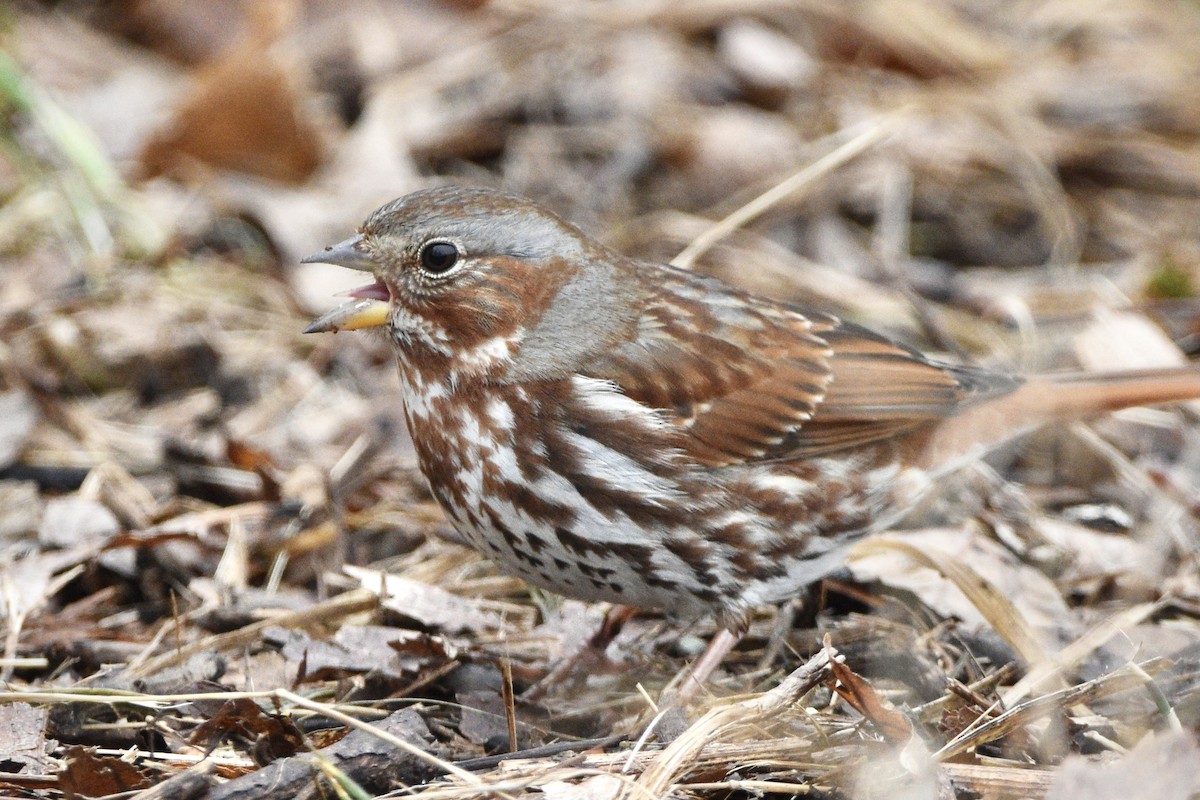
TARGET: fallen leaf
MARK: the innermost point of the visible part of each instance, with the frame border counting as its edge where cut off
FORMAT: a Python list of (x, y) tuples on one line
[(23, 738), (89, 775), (266, 736), (860, 694), (427, 605)]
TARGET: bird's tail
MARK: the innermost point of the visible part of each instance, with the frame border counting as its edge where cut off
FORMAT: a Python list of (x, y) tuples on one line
[(1052, 398), (1074, 395)]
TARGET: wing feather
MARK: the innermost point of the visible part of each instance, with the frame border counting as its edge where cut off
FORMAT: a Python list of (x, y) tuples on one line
[(751, 380)]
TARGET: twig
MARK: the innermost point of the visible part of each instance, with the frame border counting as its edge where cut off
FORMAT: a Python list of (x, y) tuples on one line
[(859, 141)]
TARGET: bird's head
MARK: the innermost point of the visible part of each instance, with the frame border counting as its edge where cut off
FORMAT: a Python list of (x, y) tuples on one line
[(484, 275)]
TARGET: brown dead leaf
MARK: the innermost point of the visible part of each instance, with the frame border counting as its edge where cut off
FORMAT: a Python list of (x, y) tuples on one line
[(266, 736), (422, 647), (245, 113), (88, 775), (861, 695), (954, 721), (244, 455)]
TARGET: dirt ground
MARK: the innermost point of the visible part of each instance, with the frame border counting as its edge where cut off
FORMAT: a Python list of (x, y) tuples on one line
[(223, 575)]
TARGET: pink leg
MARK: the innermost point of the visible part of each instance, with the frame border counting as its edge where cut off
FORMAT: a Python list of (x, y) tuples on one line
[(709, 660)]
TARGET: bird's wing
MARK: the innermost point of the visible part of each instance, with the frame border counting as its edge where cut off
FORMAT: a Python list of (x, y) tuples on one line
[(750, 380)]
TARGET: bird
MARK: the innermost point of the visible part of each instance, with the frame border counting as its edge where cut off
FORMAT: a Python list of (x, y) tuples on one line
[(613, 429)]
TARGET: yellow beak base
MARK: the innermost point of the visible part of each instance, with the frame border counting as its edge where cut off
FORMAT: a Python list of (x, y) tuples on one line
[(364, 313)]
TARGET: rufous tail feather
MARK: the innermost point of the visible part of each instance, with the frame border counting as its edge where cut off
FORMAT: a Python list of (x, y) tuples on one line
[(1050, 398)]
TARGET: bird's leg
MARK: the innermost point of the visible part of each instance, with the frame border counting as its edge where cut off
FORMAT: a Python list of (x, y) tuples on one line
[(785, 620), (592, 650), (726, 639), (699, 672)]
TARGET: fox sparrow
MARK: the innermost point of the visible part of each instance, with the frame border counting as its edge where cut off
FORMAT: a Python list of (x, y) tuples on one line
[(617, 430)]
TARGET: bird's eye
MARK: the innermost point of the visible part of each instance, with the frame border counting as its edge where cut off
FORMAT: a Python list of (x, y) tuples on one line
[(438, 258)]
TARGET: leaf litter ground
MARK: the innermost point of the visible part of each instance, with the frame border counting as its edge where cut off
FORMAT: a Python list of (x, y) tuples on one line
[(223, 575)]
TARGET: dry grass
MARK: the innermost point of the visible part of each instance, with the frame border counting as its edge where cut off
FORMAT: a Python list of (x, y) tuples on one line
[(219, 557)]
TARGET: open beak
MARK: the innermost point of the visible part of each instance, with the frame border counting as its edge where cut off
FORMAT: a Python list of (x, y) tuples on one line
[(370, 306)]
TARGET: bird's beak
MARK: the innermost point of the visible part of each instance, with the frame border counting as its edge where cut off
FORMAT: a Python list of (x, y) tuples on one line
[(371, 304), (348, 253)]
